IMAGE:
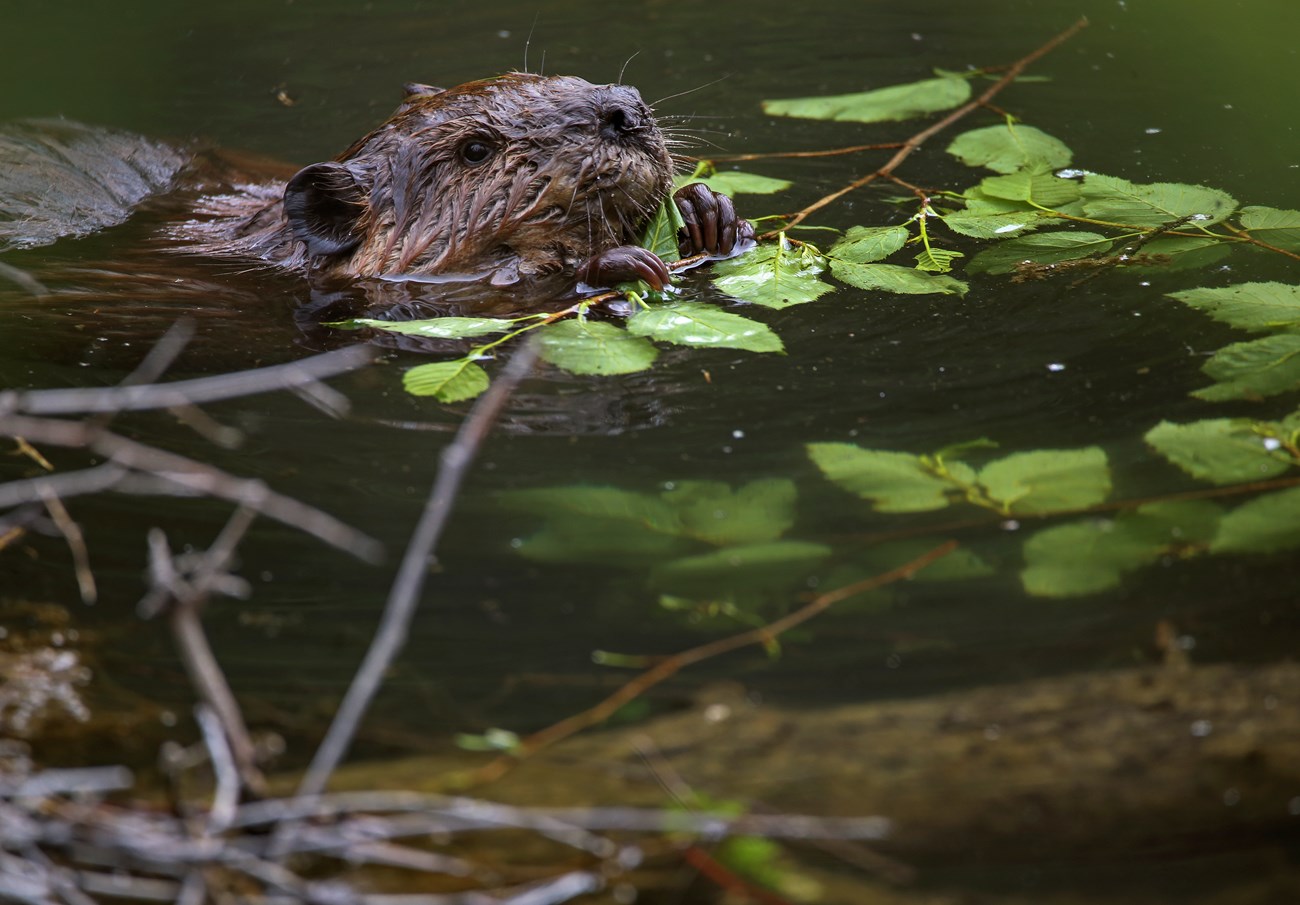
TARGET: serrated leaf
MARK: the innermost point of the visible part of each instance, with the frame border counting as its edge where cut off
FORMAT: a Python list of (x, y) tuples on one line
[(892, 481), (1253, 370), (1263, 525), (1040, 248), (1220, 450), (1091, 556), (868, 244), (710, 511), (695, 324), (748, 567), (590, 347), (994, 226), (440, 327), (937, 260), (1120, 201), (1048, 480), (660, 234), (1009, 148), (892, 278), (882, 104), (1279, 228), (446, 381), (1038, 185), (775, 276), (735, 182), (1250, 306)]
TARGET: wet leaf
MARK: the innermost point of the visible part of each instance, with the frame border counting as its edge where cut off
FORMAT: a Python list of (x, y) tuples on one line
[(1048, 480), (1180, 253), (1279, 228), (1038, 185), (882, 104), (1008, 148), (1250, 306), (892, 278), (775, 276), (660, 234), (868, 244), (710, 511), (892, 481), (590, 347), (1121, 201), (753, 566), (1040, 248), (937, 260), (440, 327), (1221, 450), (994, 226), (1263, 525), (734, 182), (1253, 370), (695, 324), (446, 381), (1091, 556)]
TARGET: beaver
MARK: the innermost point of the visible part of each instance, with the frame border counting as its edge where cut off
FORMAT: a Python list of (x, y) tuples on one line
[(509, 179)]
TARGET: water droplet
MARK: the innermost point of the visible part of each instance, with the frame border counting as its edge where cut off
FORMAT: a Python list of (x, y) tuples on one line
[(738, 434), (1202, 728), (1056, 366)]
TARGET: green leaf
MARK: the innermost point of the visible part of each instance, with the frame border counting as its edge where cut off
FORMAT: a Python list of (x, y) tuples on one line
[(1037, 185), (440, 327), (594, 501), (994, 226), (446, 381), (1121, 201), (892, 278), (1048, 480), (753, 566), (937, 260), (893, 103), (1253, 370), (599, 525), (756, 513), (1009, 148), (660, 234), (1279, 228), (1091, 556), (868, 244), (591, 347), (892, 481), (734, 182), (1041, 248), (695, 324), (1250, 306), (1179, 253), (961, 564), (1263, 525), (775, 276), (1221, 450)]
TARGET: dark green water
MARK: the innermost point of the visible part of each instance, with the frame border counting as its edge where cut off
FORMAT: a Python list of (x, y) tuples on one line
[(1200, 92)]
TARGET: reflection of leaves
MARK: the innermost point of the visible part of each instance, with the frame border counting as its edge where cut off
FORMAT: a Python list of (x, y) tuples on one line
[(710, 511), (1250, 306), (1091, 556), (1009, 148), (960, 565), (892, 278), (590, 347), (893, 481), (694, 324), (1047, 480), (446, 381), (868, 244), (1040, 248), (1251, 370), (1121, 201), (1276, 227), (775, 275), (1263, 525), (440, 327), (756, 567), (1221, 450), (892, 103), (604, 525)]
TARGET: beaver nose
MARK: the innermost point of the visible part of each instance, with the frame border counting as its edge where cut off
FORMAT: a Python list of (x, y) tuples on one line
[(621, 112)]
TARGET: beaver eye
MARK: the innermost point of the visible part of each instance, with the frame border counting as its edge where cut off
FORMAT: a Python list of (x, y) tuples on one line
[(475, 151)]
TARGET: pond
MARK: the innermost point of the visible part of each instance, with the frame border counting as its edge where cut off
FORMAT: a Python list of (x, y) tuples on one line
[(530, 584)]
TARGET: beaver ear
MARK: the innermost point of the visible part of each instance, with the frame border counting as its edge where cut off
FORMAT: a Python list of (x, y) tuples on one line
[(412, 90), (323, 203)]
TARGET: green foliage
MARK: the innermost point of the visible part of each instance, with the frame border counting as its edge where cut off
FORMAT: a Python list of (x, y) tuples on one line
[(868, 244), (1040, 248), (694, 324), (1229, 450), (892, 278), (775, 276), (1037, 185), (446, 381), (1250, 306), (660, 235), (1266, 524), (893, 103), (1276, 227), (1252, 370), (1121, 201), (1009, 148), (439, 327), (580, 346), (734, 182)]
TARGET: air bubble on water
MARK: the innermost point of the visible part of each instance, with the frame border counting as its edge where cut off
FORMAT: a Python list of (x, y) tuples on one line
[(1055, 366), (1202, 728), (738, 434), (1272, 443), (1152, 131)]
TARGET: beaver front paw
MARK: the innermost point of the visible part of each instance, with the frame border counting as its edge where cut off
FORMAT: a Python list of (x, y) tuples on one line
[(624, 264), (712, 226)]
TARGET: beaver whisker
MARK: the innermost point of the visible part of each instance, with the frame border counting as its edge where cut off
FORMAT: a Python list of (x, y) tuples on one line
[(688, 91)]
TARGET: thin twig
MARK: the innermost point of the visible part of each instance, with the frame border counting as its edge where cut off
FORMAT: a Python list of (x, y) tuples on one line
[(669, 666), (71, 532), (404, 596)]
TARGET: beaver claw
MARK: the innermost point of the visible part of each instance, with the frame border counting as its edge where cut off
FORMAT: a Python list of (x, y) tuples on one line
[(712, 226), (623, 264)]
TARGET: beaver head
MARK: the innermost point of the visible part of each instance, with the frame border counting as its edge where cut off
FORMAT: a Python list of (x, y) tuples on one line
[(510, 177)]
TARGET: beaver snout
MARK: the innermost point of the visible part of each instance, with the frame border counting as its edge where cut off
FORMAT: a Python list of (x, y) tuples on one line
[(621, 114)]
